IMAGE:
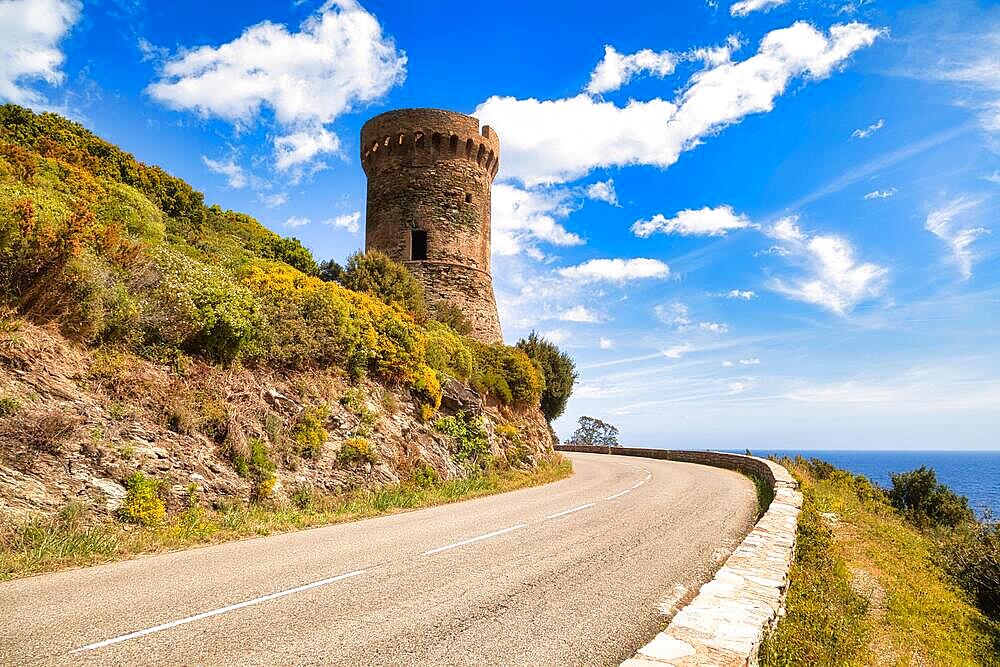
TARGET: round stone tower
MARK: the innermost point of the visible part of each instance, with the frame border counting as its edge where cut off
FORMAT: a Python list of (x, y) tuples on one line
[(429, 176)]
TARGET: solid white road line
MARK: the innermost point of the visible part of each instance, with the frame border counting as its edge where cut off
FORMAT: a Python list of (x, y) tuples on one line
[(570, 511), (638, 484), (475, 539), (618, 495), (216, 612)]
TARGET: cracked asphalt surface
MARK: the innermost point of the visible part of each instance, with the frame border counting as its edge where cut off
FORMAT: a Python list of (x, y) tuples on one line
[(516, 586)]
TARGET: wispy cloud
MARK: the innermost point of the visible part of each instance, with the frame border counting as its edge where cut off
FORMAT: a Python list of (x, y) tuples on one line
[(865, 132), (946, 223), (881, 194)]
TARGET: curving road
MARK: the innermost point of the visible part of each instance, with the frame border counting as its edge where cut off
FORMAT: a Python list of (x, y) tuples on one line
[(578, 572)]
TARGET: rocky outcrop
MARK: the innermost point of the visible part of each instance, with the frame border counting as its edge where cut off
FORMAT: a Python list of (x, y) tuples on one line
[(74, 424)]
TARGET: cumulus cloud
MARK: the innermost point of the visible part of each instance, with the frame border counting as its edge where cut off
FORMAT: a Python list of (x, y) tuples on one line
[(338, 59), (30, 32), (865, 132), (603, 191), (349, 221), (297, 221), (236, 177), (553, 141), (616, 270), (522, 218), (580, 314), (702, 222), (834, 279), (557, 336), (616, 69), (880, 194), (944, 223), (752, 361), (714, 327), (745, 7)]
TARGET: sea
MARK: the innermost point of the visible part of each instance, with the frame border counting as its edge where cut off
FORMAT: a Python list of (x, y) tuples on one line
[(975, 475)]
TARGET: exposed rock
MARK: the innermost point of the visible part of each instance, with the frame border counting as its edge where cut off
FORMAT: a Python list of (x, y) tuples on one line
[(455, 396)]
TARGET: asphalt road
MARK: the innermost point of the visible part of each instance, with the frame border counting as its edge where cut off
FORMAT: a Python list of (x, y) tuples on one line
[(579, 572)]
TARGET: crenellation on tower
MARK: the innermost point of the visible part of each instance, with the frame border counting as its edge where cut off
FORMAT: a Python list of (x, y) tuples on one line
[(430, 173)]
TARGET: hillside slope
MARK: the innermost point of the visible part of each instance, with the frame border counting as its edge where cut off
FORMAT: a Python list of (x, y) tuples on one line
[(141, 331)]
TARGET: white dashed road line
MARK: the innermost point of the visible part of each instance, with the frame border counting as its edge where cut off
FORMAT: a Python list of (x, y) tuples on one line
[(570, 511), (216, 612), (475, 539)]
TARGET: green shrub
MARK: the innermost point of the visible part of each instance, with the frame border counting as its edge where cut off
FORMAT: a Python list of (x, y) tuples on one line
[(9, 405), (357, 451), (303, 496), (256, 465), (142, 504), (424, 476), (925, 502), (374, 273), (310, 433), (447, 353), (558, 371), (451, 316), (506, 374), (471, 443), (970, 554)]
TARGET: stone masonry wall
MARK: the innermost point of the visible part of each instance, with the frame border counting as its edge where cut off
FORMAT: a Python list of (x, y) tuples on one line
[(725, 623), (431, 170)]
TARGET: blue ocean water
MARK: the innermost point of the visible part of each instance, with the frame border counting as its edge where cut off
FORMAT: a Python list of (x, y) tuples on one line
[(975, 475)]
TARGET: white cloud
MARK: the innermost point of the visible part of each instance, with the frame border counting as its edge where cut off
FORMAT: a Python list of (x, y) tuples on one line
[(702, 222), (713, 56), (835, 279), (865, 132), (616, 69), (557, 336), (728, 364), (969, 59), (752, 361), (605, 343), (943, 223), (275, 200), (744, 7), (303, 146), (551, 141), (580, 314), (522, 218), (745, 294), (30, 32), (236, 177), (993, 178), (787, 229), (297, 221), (615, 270), (778, 250), (338, 60), (674, 314), (348, 221), (880, 194), (677, 315), (603, 191)]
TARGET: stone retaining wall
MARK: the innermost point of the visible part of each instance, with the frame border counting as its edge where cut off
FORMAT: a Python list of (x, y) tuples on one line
[(726, 622)]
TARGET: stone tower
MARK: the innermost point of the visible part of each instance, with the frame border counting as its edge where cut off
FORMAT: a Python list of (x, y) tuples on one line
[(429, 177)]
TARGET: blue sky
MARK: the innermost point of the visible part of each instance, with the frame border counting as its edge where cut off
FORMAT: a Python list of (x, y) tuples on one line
[(764, 224)]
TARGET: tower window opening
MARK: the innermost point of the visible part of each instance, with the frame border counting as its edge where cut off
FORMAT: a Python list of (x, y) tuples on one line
[(468, 197), (418, 245)]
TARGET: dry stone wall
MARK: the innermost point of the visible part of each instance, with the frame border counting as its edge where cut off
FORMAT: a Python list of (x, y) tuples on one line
[(725, 623)]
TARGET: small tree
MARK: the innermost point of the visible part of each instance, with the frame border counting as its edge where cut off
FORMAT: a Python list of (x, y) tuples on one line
[(925, 502), (376, 274), (593, 432), (558, 370)]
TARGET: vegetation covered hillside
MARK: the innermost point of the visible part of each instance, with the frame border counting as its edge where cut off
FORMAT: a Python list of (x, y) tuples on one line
[(146, 335)]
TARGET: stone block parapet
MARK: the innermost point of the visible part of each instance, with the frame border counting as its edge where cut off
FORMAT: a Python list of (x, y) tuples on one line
[(727, 620)]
